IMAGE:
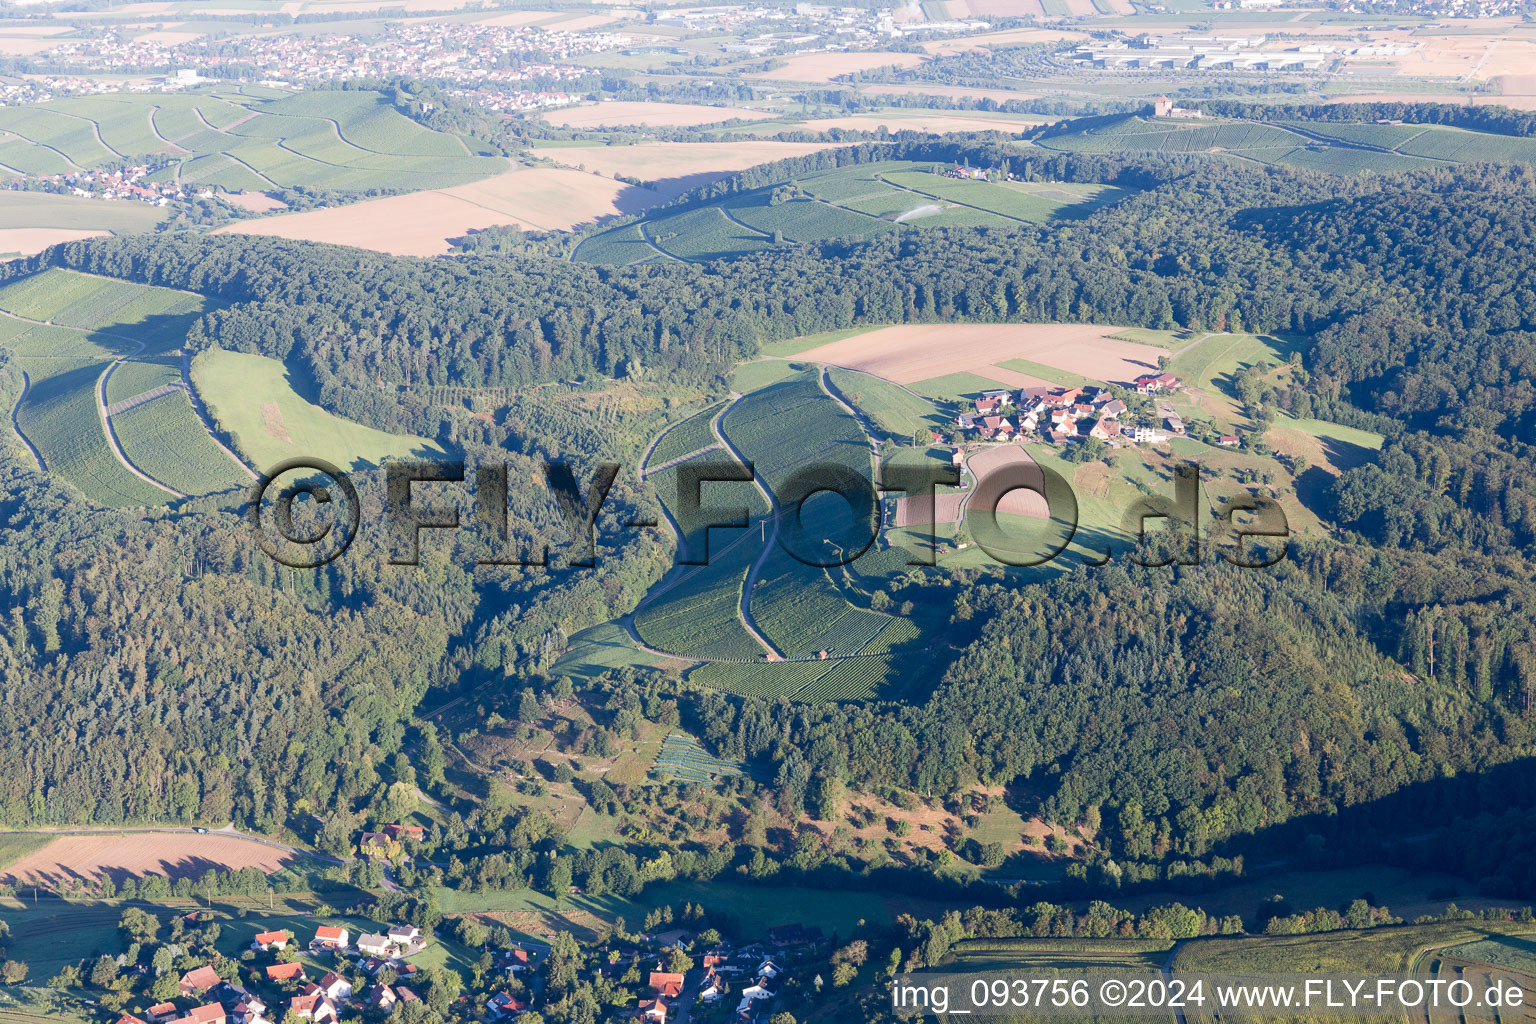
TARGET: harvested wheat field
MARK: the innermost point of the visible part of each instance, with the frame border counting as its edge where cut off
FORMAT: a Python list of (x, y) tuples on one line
[(824, 67), (1022, 501), (672, 168), (1469, 57), (651, 115), (137, 854), (254, 202), (421, 224), (25, 46), (29, 241), (923, 351)]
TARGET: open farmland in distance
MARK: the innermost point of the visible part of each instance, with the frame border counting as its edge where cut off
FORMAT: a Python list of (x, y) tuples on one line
[(857, 202), (346, 141), (1328, 146)]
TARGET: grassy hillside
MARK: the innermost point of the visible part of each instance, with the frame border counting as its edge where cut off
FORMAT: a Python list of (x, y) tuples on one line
[(1336, 148), (848, 202), (332, 140), (253, 399)]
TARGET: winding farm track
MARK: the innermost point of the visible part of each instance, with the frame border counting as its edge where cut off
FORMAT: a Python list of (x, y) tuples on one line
[(105, 413), (37, 456), (744, 609), (106, 425)]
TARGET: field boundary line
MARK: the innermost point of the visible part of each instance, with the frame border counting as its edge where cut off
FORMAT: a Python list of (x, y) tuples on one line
[(143, 398), (106, 427), (953, 202), (744, 610), (206, 419), (645, 236), (227, 154), (37, 456), (648, 470), (95, 127)]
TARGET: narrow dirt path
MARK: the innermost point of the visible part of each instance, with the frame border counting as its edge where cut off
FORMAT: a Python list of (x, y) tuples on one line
[(37, 456), (106, 425), (744, 609)]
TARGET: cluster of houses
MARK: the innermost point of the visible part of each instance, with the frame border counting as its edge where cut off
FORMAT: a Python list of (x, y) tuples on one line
[(226, 1003), (748, 978), (316, 1001), (130, 184), (1062, 415), (743, 981), (387, 842)]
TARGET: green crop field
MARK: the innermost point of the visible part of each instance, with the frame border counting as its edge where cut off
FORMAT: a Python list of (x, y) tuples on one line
[(254, 400), (682, 759), (91, 321), (892, 408), (136, 376), (1331, 147), (334, 140), (859, 201), (822, 431), (691, 435), (165, 439), (60, 417), (44, 210), (1035, 202)]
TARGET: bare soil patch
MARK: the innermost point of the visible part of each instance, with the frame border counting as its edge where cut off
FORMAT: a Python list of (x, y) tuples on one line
[(924, 351), (1020, 502), (29, 241), (135, 855), (422, 223), (255, 202), (272, 420), (824, 67), (652, 115)]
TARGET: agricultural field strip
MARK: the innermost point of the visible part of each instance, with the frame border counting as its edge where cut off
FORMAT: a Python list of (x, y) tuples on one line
[(953, 202), (101, 401), (139, 399), (748, 590), (686, 573), (37, 456), (111, 434)]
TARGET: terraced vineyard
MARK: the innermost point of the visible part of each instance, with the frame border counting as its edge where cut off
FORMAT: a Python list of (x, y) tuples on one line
[(683, 760), (60, 418), (898, 412), (1332, 147), (333, 140), (90, 321), (858, 201), (164, 438), (136, 376), (691, 435)]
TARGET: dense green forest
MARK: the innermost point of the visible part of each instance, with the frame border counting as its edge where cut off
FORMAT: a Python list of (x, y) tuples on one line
[(1182, 711)]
